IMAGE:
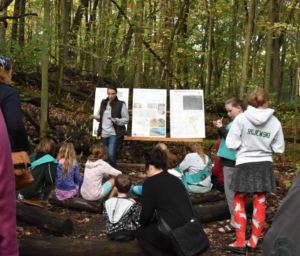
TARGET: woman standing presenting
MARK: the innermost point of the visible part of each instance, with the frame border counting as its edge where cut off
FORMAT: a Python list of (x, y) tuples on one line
[(256, 135), (112, 115), (11, 108)]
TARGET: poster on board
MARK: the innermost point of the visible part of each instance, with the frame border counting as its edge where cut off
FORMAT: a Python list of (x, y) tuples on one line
[(149, 113), (100, 94), (187, 114)]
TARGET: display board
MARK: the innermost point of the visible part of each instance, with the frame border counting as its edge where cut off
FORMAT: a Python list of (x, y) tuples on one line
[(149, 113), (100, 94), (187, 114)]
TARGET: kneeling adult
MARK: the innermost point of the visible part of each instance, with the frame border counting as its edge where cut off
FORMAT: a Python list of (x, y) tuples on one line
[(164, 195)]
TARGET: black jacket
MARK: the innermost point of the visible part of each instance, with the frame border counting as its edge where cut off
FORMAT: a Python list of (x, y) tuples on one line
[(10, 105), (116, 109)]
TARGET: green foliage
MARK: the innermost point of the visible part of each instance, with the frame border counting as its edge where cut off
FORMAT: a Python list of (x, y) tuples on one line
[(287, 183)]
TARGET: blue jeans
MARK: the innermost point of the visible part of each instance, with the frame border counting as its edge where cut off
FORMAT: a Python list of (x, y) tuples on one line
[(113, 143)]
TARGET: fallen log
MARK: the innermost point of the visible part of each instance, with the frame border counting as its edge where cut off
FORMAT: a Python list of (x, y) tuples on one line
[(39, 217), (78, 203), (218, 211), (49, 246), (209, 197)]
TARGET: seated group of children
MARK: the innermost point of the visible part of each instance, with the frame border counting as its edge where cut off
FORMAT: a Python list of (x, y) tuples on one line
[(121, 212)]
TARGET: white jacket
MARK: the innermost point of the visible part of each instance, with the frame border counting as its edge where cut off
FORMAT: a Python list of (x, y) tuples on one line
[(256, 135)]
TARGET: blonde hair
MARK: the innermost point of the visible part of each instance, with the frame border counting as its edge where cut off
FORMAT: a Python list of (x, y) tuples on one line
[(162, 146), (67, 152), (258, 97), (98, 152), (172, 160), (196, 148)]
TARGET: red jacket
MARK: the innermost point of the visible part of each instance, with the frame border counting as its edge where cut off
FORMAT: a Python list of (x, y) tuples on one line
[(217, 170)]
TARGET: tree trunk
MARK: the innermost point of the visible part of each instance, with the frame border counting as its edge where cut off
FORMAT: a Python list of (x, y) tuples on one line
[(285, 95), (65, 18), (76, 26), (216, 82), (22, 24), (232, 78), (139, 43), (122, 73), (4, 4), (276, 56), (45, 64), (268, 71), (78, 204), (2, 34), (14, 29), (34, 215), (209, 55), (62, 246), (247, 49)]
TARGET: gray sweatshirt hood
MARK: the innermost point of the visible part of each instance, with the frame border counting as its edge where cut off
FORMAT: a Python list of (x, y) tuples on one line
[(258, 116)]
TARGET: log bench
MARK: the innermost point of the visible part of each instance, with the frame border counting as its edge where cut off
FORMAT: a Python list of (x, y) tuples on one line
[(58, 246), (42, 218), (78, 203)]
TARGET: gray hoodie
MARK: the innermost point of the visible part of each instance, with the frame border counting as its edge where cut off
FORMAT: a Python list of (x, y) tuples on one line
[(256, 135)]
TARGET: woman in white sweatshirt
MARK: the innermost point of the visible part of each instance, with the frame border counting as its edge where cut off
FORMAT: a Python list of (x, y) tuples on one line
[(256, 135)]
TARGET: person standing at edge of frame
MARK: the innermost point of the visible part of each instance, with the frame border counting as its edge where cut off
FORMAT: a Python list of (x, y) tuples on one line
[(112, 117)]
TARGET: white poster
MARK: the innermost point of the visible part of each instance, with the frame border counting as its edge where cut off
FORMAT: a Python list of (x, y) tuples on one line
[(101, 94), (187, 114), (149, 113)]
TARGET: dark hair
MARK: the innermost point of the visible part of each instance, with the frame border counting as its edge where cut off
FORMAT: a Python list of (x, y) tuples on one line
[(123, 183), (112, 86), (47, 146), (158, 159), (258, 97), (172, 160), (98, 152), (235, 102)]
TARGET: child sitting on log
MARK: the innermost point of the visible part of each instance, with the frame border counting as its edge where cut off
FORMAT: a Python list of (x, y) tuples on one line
[(68, 177), (43, 167), (95, 169), (121, 213), (196, 168)]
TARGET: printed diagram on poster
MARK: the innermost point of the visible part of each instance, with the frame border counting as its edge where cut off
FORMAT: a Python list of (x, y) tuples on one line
[(149, 113), (187, 114), (101, 94)]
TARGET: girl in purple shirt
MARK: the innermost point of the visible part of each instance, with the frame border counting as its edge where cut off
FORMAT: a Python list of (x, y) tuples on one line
[(68, 177)]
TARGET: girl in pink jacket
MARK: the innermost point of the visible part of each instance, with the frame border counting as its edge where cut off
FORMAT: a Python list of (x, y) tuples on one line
[(95, 169)]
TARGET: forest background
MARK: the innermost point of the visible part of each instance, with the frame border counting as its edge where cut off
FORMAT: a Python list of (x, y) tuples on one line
[(62, 49)]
